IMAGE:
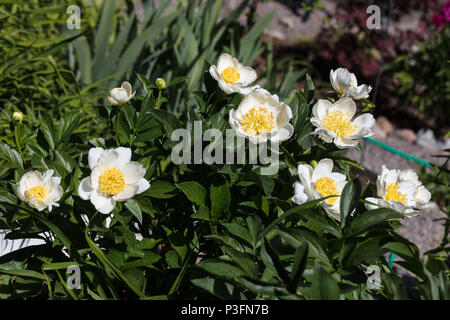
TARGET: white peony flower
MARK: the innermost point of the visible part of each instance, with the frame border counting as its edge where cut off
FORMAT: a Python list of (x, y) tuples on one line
[(401, 191), (121, 95), (345, 83), (40, 191), (260, 117), (318, 183), (334, 122), (113, 178), (232, 76)]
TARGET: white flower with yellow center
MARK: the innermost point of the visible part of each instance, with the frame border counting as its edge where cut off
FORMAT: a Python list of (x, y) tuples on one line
[(346, 85), (401, 191), (335, 123), (318, 183), (113, 178), (118, 96), (260, 117), (232, 76), (40, 191)]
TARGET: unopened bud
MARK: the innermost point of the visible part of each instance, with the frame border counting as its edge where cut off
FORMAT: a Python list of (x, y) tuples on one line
[(160, 83), (17, 116), (313, 163)]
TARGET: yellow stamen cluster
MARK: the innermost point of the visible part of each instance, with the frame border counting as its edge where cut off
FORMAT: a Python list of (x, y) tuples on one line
[(339, 122), (111, 181), (327, 187), (39, 192), (257, 120), (230, 75), (393, 194)]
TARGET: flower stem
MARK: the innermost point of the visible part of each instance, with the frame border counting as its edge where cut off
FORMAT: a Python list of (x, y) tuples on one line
[(117, 130), (17, 143), (159, 99)]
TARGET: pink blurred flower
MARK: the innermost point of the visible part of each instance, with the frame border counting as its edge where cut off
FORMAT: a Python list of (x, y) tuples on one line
[(439, 20), (446, 11)]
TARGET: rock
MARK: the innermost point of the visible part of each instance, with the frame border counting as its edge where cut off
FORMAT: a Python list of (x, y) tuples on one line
[(287, 22), (385, 124), (379, 134), (444, 143), (405, 134), (425, 138)]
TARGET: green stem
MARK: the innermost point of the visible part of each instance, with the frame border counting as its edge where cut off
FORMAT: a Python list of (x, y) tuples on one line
[(159, 99), (117, 130), (17, 143)]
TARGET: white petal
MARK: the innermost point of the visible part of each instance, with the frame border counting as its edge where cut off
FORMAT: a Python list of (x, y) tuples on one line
[(47, 175), (95, 176), (345, 143), (283, 134), (338, 177), (127, 86), (321, 108), (101, 203), (300, 196), (423, 196), (365, 120), (133, 172), (325, 135), (244, 90), (114, 158), (332, 211), (113, 101), (213, 72), (247, 75), (85, 188), (345, 105), (126, 193), (32, 179), (323, 169), (225, 86), (284, 115), (361, 92), (93, 156), (372, 206), (409, 174), (391, 176), (124, 156), (226, 60), (305, 172), (143, 185)]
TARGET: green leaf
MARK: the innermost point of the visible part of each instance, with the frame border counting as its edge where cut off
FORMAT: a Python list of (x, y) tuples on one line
[(134, 208), (294, 210), (272, 261), (24, 273), (349, 199), (220, 268), (309, 88), (300, 259), (220, 200), (324, 286), (193, 191), (300, 110), (218, 288), (12, 156), (242, 260), (368, 219), (238, 231), (160, 189), (102, 257), (67, 124), (48, 129)]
